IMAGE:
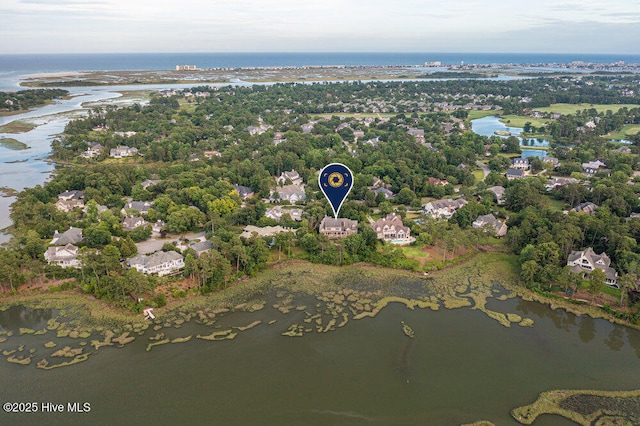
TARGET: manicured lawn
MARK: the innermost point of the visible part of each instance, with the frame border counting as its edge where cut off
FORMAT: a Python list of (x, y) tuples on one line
[(626, 131), (478, 175), (557, 204), (520, 120), (415, 252), (572, 108), (480, 114)]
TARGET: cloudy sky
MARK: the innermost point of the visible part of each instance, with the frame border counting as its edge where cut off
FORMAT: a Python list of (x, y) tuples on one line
[(554, 26)]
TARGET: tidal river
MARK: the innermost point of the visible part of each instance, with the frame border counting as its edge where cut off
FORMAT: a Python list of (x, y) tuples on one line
[(460, 367)]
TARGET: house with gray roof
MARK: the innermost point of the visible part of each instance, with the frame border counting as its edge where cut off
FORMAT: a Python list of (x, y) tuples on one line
[(338, 228), (587, 260), (161, 263), (244, 191), (70, 236), (443, 208), (292, 176), (586, 208), (290, 193), (488, 222), (141, 206), (265, 231), (201, 246), (514, 174), (276, 213), (123, 151), (131, 223), (149, 182), (498, 191), (520, 163)]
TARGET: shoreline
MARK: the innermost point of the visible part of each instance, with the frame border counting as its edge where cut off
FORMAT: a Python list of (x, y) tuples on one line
[(302, 277)]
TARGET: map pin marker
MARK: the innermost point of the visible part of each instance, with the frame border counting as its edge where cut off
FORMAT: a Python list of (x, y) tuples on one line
[(336, 181)]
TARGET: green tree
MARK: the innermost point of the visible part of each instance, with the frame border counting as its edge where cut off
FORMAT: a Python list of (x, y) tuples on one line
[(597, 279)]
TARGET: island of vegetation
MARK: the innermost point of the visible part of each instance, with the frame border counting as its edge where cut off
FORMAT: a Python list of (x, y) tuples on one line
[(23, 100)]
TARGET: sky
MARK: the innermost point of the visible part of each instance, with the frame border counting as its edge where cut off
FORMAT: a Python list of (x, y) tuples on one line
[(109, 26)]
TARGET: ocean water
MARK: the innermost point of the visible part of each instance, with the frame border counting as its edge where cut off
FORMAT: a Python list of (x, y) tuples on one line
[(34, 63)]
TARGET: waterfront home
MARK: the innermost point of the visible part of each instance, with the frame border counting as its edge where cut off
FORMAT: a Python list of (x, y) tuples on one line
[(94, 150), (141, 207), (488, 222), (276, 213), (65, 256), (587, 260), (391, 228), (443, 208), (338, 228), (161, 263), (265, 231), (292, 176), (71, 195), (290, 193), (520, 163), (68, 205), (123, 151), (70, 236)]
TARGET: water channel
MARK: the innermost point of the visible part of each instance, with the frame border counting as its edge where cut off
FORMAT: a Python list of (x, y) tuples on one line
[(461, 367), (487, 126)]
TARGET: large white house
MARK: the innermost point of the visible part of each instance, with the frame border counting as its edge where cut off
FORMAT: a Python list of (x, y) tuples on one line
[(65, 256), (161, 263), (587, 260), (290, 193), (443, 208)]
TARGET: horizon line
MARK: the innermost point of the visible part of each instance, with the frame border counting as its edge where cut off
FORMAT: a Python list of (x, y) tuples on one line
[(322, 52)]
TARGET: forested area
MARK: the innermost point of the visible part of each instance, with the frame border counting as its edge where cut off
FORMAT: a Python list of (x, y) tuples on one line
[(25, 99)]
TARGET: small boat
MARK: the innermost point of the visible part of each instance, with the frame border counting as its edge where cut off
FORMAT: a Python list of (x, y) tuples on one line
[(408, 331)]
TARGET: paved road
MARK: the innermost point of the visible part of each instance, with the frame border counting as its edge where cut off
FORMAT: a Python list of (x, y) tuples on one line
[(484, 168)]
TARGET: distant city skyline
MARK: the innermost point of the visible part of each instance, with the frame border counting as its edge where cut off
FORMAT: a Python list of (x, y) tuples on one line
[(109, 26)]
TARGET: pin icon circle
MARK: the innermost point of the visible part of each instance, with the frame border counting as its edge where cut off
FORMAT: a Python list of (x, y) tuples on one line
[(335, 181)]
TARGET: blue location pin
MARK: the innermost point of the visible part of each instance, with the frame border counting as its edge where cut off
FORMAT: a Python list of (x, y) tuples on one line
[(336, 181)]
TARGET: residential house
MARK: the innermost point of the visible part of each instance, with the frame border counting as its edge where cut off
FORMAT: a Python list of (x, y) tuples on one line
[(308, 127), (149, 182), (587, 260), (64, 256), (161, 263), (265, 231), (292, 176), (258, 130), (123, 151), (290, 193), (382, 190), (622, 150), (142, 207), (520, 163), (437, 182), (338, 228), (489, 222), (358, 134), (244, 191), (514, 174), (559, 182), (71, 195), (276, 213), (551, 160), (498, 191), (278, 138), (70, 236), (201, 247), (131, 223), (586, 208), (593, 167), (211, 154), (94, 150), (391, 228), (443, 208)]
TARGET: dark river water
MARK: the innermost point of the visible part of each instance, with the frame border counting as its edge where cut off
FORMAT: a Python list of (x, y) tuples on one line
[(461, 367)]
